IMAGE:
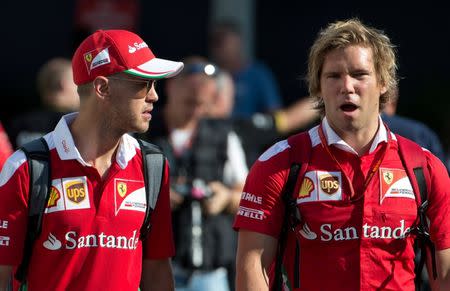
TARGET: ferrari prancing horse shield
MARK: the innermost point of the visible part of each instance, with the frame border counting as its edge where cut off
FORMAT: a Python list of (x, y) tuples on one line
[(122, 189)]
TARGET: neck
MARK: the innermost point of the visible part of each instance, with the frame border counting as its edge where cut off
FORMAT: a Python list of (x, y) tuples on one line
[(360, 139), (95, 141)]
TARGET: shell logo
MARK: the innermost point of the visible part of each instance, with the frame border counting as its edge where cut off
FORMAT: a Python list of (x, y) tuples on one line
[(53, 197), (306, 188)]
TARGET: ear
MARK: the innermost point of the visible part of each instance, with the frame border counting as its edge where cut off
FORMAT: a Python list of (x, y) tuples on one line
[(101, 86), (383, 89)]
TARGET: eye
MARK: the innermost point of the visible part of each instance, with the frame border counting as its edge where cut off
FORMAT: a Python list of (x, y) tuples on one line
[(360, 74), (332, 76)]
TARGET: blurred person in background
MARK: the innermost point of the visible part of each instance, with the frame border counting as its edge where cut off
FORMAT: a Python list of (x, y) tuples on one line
[(412, 129), (255, 86), (58, 95), (260, 130), (207, 170), (5, 146)]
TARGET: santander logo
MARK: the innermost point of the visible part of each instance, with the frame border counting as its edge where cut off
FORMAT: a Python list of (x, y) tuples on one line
[(136, 46), (75, 241), (52, 243), (328, 233)]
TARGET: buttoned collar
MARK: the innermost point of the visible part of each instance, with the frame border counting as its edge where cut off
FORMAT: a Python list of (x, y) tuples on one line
[(333, 139), (65, 146)]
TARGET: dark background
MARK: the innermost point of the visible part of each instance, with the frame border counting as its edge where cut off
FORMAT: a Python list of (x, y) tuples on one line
[(34, 32)]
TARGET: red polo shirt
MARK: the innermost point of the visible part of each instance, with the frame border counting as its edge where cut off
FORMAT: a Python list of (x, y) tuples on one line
[(90, 231), (348, 242)]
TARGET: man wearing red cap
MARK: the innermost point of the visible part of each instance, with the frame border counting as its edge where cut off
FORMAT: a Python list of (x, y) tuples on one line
[(90, 240)]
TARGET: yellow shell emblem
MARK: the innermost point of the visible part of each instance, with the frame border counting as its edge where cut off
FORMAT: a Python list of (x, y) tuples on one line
[(54, 197), (122, 189), (306, 188)]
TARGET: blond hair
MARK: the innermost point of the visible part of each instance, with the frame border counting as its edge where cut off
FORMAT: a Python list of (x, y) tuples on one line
[(342, 34)]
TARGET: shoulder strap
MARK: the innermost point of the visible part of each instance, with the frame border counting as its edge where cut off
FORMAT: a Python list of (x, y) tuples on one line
[(37, 153), (299, 157), (414, 161), (153, 163)]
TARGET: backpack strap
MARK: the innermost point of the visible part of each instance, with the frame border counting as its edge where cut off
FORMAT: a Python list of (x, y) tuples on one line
[(38, 157), (153, 161), (414, 161), (299, 158)]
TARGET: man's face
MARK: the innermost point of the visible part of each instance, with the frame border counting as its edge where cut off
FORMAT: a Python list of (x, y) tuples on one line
[(132, 102), (194, 94), (350, 90)]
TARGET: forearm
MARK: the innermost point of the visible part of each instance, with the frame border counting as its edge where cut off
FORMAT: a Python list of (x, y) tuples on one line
[(254, 256), (251, 275), (443, 268), (157, 275), (5, 277)]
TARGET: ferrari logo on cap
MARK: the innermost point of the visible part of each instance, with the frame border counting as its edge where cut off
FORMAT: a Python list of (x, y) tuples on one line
[(88, 57), (122, 189), (388, 177)]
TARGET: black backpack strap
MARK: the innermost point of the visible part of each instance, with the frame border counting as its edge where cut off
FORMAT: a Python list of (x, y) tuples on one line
[(153, 162), (290, 207), (413, 160), (37, 153), (422, 229)]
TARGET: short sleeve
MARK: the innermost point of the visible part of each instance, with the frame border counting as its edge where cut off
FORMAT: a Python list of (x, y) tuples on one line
[(439, 202), (261, 208), (14, 185)]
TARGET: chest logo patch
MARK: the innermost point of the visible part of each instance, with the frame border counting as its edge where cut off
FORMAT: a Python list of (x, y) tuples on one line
[(320, 186), (329, 184), (55, 196), (122, 189), (306, 188), (75, 191), (68, 194), (129, 195), (394, 183)]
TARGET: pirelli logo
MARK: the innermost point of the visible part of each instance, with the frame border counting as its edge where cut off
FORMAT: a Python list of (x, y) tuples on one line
[(251, 213), (4, 241)]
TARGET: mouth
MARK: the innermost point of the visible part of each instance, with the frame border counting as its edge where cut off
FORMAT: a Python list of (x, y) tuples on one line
[(147, 114), (348, 107)]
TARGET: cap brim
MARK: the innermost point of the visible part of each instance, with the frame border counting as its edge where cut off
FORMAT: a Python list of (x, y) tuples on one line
[(157, 69)]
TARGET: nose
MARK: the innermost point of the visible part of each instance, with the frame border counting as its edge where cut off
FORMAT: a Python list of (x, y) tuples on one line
[(152, 96), (347, 86)]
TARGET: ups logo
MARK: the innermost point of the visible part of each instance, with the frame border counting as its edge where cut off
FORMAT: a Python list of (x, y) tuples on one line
[(75, 191), (329, 184)]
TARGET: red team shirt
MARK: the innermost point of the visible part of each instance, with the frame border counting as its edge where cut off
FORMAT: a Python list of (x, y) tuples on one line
[(90, 231), (346, 243)]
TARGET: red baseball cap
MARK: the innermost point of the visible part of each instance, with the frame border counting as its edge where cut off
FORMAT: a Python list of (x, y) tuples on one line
[(106, 52)]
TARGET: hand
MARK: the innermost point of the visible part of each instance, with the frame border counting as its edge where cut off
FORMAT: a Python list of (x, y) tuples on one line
[(175, 199), (219, 200)]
